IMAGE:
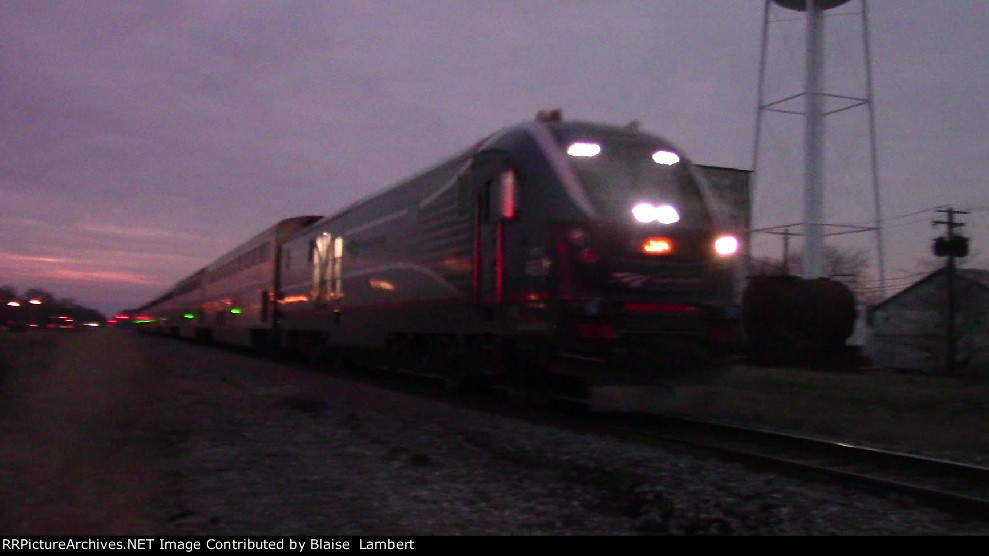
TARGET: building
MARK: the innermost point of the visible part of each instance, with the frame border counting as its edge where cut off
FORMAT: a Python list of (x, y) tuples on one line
[(909, 329)]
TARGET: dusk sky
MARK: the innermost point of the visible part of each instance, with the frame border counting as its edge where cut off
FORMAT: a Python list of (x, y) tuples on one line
[(141, 140)]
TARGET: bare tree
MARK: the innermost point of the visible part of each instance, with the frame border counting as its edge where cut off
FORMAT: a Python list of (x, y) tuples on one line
[(848, 265)]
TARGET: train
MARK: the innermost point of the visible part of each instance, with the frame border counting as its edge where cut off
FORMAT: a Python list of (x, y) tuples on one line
[(551, 252)]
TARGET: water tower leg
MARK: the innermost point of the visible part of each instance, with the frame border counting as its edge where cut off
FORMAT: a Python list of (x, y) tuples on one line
[(814, 147)]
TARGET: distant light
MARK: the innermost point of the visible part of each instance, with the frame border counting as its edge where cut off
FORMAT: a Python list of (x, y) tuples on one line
[(91, 324), (666, 158), (112, 321), (145, 318), (584, 149), (726, 245), (235, 310), (14, 303), (64, 317), (33, 325), (664, 214), (188, 316), (122, 316), (657, 246), (35, 302)]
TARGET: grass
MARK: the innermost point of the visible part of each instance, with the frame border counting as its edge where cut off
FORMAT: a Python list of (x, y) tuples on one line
[(937, 413)]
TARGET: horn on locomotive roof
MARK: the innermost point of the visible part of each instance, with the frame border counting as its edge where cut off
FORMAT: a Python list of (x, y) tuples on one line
[(554, 115)]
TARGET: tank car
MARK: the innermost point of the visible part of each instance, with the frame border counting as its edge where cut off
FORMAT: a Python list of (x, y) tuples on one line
[(793, 321)]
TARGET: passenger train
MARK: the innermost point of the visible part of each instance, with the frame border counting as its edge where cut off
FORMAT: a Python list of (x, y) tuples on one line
[(549, 250)]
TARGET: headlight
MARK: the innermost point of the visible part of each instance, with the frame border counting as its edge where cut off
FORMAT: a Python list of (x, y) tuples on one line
[(666, 158), (726, 245), (647, 212), (584, 149)]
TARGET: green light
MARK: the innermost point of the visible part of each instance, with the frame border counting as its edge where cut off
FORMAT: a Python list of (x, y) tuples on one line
[(235, 310), (143, 321), (188, 316)]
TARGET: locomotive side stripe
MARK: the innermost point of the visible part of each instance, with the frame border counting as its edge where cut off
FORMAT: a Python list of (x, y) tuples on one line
[(452, 182), (405, 266), (374, 223), (303, 286)]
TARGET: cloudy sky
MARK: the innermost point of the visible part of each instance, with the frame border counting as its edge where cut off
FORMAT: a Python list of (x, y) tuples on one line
[(140, 140)]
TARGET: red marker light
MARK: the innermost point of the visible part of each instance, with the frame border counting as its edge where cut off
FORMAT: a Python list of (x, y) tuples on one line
[(657, 246)]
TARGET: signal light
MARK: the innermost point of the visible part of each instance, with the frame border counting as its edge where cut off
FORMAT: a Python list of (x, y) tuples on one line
[(657, 246), (955, 246)]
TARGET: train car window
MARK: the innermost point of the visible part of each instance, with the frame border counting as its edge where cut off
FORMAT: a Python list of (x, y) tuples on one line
[(507, 195), (321, 255), (287, 257), (312, 251), (337, 270)]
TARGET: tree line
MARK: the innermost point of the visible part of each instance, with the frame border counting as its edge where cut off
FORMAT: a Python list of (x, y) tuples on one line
[(38, 308)]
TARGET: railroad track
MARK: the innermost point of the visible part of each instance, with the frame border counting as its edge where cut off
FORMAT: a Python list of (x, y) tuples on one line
[(956, 487)]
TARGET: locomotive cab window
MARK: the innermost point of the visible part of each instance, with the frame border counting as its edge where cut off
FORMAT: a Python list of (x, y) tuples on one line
[(624, 171), (500, 197), (320, 256)]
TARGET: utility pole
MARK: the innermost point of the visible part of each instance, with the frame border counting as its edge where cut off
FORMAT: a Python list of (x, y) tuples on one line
[(951, 246), (786, 250)]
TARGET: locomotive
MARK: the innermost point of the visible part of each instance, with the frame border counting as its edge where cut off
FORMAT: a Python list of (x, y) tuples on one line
[(549, 252)]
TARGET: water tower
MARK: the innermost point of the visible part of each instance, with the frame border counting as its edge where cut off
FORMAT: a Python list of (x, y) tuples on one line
[(813, 103)]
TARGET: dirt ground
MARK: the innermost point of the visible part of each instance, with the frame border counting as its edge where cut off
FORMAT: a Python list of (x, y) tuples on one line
[(78, 435)]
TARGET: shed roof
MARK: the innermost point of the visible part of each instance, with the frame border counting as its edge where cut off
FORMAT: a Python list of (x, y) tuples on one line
[(977, 276)]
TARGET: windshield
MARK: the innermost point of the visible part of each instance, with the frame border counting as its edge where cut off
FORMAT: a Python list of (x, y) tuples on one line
[(623, 173)]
